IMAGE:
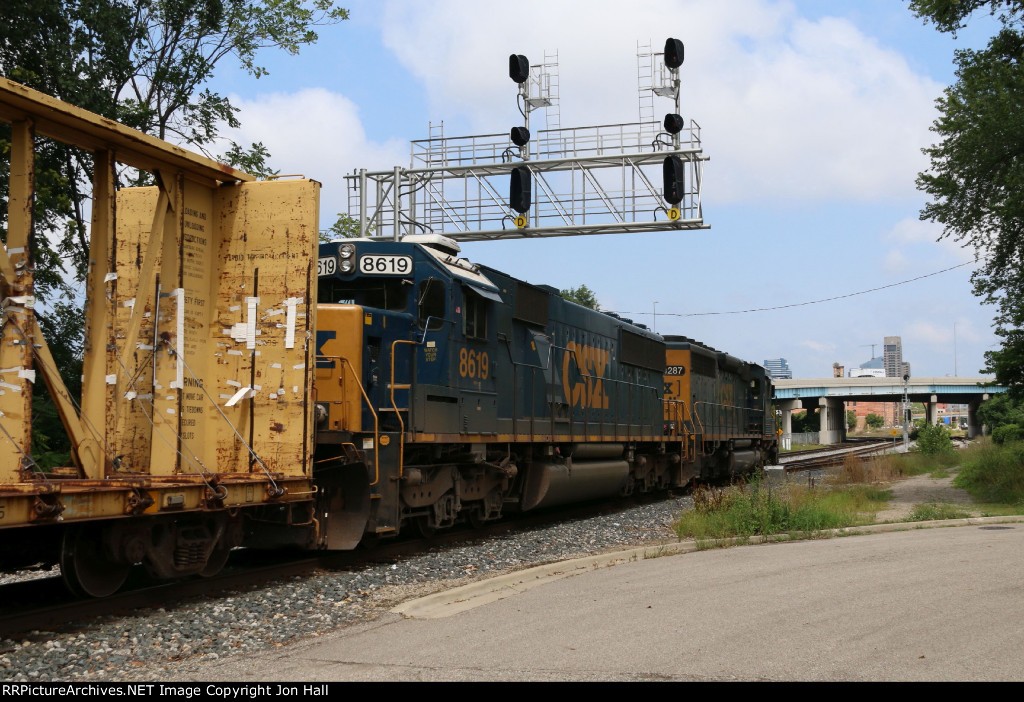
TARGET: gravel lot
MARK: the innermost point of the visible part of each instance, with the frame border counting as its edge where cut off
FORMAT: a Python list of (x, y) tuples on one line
[(158, 645)]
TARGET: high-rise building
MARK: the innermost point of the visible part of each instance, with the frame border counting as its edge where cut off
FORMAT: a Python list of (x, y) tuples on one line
[(778, 368), (892, 351)]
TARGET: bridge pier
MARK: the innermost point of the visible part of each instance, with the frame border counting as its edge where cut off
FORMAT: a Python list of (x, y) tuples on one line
[(787, 407), (832, 421), (931, 410)]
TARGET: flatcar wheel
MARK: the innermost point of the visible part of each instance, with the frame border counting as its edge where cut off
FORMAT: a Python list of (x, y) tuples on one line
[(215, 563), (87, 569)]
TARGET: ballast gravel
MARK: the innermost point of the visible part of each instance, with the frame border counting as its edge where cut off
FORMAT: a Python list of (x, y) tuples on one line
[(157, 644)]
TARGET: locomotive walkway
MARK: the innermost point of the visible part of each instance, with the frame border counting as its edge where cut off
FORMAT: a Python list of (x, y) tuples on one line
[(899, 603)]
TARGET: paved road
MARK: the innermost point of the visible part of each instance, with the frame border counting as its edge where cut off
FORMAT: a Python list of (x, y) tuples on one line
[(924, 604)]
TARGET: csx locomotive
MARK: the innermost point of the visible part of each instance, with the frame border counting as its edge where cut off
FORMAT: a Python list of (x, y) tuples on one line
[(450, 391)]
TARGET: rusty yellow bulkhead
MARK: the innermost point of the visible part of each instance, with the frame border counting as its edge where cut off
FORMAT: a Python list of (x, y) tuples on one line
[(216, 330), (339, 366), (201, 318)]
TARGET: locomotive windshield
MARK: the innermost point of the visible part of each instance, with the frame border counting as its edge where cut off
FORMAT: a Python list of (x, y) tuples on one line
[(384, 294)]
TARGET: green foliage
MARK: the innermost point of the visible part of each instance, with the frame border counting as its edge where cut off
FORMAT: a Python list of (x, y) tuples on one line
[(581, 296), (63, 322), (976, 176), (851, 420), (1008, 433), (933, 440), (935, 511), (758, 509), (875, 421), (345, 227), (803, 422), (142, 63), (1001, 409), (994, 473)]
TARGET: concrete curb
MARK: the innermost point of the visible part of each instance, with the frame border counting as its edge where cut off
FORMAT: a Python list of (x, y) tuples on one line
[(466, 597)]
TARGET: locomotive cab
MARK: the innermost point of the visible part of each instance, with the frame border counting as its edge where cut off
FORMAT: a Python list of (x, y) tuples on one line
[(406, 347)]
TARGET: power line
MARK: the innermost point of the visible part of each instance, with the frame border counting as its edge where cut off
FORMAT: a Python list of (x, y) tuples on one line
[(802, 304)]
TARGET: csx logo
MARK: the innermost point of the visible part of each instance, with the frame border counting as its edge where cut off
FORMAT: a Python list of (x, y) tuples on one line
[(588, 389)]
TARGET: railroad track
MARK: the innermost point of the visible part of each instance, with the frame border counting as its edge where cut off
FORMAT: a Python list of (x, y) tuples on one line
[(817, 459), (45, 604)]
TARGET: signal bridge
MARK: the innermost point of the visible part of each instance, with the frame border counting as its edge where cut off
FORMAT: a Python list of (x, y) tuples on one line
[(608, 179)]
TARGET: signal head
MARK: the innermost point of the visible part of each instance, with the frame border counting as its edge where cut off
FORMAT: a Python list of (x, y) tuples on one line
[(673, 123), (673, 175), (519, 189), (518, 68), (520, 136), (673, 53)]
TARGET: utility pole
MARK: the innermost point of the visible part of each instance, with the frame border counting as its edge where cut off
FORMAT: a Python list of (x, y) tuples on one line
[(906, 438)]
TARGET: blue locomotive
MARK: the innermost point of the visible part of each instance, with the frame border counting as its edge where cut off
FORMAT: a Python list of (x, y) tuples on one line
[(449, 391)]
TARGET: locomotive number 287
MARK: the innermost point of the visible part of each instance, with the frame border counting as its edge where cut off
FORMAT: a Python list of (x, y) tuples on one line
[(474, 364)]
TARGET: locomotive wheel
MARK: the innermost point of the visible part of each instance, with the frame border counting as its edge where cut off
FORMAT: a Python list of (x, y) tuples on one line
[(475, 518), (423, 527), (88, 570)]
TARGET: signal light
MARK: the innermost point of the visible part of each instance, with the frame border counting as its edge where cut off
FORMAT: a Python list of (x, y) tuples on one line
[(673, 53), (672, 172), (519, 189), (520, 136), (673, 123), (518, 68)]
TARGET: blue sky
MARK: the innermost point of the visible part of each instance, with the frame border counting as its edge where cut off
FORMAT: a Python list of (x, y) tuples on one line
[(813, 115)]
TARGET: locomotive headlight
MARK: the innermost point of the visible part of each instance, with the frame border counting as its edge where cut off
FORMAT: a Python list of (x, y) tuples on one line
[(346, 250), (346, 266)]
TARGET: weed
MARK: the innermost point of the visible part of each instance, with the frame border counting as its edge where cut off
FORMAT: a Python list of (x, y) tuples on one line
[(759, 509), (993, 473), (935, 510)]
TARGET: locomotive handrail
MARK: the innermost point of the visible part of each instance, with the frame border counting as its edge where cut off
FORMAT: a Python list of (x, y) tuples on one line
[(394, 405), (369, 405), (676, 410), (735, 423)]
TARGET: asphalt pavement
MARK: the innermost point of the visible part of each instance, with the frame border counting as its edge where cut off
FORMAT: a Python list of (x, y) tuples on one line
[(890, 602)]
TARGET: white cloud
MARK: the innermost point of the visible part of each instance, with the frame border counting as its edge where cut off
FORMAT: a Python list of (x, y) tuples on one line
[(316, 133), (791, 109), (915, 241), (819, 346)]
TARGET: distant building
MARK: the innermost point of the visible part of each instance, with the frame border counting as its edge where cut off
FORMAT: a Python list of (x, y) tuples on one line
[(892, 352), (875, 368), (837, 370), (778, 368)]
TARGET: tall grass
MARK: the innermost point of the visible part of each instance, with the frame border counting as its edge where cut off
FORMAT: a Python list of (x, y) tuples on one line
[(761, 509), (993, 472)]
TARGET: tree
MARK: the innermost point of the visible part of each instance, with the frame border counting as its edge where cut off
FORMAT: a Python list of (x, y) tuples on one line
[(976, 177), (581, 296), (142, 63), (851, 420), (345, 227), (875, 421), (933, 440)]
